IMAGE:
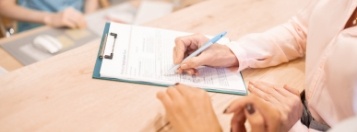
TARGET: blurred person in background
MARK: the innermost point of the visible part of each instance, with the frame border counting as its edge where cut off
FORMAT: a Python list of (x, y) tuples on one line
[(55, 13)]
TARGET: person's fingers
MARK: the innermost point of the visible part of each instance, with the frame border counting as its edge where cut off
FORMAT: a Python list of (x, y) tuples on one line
[(186, 44), (261, 91), (273, 91), (179, 71), (174, 51), (65, 20), (180, 48), (237, 105), (269, 113), (254, 90), (76, 17), (262, 86), (237, 122), (174, 94), (195, 62), (69, 23), (292, 90), (186, 90), (165, 100), (254, 118), (183, 89), (190, 71), (285, 93), (69, 17), (81, 21)]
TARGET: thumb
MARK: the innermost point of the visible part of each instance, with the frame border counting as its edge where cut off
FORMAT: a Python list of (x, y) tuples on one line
[(292, 90), (254, 118), (193, 63)]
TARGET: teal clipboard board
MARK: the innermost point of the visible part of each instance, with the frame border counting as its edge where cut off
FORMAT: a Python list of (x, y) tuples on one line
[(99, 60)]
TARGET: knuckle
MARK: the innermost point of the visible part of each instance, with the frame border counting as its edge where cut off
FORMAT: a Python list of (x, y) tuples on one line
[(277, 116), (268, 91), (284, 117), (178, 40), (171, 91), (192, 64), (258, 121), (267, 98), (181, 88), (160, 95), (199, 92)]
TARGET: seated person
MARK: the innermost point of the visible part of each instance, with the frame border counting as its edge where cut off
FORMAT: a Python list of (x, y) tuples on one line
[(33, 13), (325, 37)]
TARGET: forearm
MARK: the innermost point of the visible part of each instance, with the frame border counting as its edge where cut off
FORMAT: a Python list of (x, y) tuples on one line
[(91, 6), (11, 10), (275, 46), (278, 45)]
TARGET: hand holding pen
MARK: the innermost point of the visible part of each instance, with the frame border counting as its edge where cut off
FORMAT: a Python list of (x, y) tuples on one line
[(215, 55)]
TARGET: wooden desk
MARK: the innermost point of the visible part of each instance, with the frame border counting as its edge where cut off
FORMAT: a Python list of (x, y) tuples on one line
[(59, 94)]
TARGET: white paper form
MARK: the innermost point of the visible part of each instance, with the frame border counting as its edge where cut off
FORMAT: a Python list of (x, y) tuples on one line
[(145, 54)]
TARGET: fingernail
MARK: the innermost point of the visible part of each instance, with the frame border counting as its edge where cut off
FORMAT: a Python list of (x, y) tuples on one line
[(184, 66), (225, 111), (249, 107)]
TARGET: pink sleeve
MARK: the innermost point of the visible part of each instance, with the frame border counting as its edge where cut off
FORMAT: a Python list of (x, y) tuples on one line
[(275, 46), (299, 127)]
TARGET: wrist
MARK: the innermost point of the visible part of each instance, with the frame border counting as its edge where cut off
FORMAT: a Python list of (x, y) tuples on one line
[(232, 59), (47, 19)]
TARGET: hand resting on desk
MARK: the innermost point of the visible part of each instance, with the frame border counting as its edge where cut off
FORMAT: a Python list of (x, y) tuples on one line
[(285, 99), (190, 109), (216, 56), (69, 17)]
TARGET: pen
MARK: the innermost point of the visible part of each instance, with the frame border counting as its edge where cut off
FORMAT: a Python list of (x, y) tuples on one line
[(199, 50)]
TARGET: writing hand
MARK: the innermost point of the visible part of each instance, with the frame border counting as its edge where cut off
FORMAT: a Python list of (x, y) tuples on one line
[(262, 116), (216, 55)]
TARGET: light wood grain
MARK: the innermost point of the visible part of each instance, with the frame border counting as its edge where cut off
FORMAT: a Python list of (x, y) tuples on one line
[(8, 62), (58, 94)]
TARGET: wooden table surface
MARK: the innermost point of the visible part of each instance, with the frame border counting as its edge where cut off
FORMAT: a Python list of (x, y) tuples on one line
[(59, 94)]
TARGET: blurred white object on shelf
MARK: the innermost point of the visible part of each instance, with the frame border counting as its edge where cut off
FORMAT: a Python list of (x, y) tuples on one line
[(151, 10)]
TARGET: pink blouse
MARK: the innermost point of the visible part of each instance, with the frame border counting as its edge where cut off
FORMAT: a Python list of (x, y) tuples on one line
[(316, 32)]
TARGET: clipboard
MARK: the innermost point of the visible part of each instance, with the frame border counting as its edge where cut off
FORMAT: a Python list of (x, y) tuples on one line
[(101, 56)]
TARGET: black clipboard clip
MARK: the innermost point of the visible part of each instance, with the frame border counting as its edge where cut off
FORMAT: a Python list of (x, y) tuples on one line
[(104, 45)]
